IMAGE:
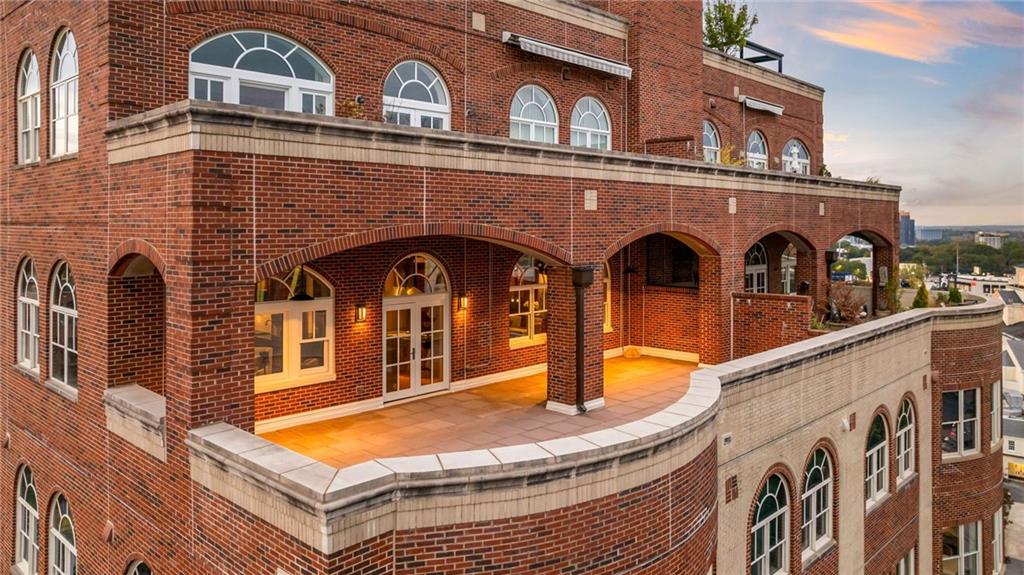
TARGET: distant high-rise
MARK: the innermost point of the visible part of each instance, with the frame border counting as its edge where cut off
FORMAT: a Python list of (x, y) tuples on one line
[(907, 232), (992, 239)]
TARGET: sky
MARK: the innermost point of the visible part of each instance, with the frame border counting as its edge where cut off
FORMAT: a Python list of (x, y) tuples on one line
[(927, 95)]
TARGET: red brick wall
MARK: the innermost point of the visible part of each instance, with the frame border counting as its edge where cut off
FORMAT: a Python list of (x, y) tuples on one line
[(763, 321), (135, 332)]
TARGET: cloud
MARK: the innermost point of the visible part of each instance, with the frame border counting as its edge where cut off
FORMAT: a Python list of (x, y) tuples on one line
[(997, 101), (930, 81), (834, 137), (924, 33)]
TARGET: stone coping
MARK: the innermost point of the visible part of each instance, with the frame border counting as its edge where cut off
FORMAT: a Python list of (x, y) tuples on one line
[(139, 403), (323, 489), (739, 66), (181, 126)]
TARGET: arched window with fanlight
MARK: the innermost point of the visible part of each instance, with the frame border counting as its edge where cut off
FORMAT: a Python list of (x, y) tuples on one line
[(294, 330), (591, 127), (769, 534), (28, 109), (258, 68), (63, 554), (26, 552), (755, 273), (64, 96), (757, 151), (415, 95), (63, 327), (905, 442), (712, 144), (533, 116), (876, 462), (139, 568), (28, 317), (816, 532), (795, 159), (528, 308)]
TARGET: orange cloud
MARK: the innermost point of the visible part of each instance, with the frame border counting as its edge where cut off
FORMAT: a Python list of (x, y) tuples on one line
[(925, 32)]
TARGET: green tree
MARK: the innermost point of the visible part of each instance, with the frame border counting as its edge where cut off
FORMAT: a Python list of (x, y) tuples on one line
[(858, 269), (955, 296), (921, 299), (726, 26)]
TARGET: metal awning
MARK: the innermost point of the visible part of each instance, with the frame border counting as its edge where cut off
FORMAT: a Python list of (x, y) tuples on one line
[(755, 104), (567, 55)]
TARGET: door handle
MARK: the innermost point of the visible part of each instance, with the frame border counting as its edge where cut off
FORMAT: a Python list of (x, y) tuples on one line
[(413, 352)]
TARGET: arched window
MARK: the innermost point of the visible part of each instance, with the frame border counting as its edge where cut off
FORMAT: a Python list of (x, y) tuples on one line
[(905, 441), (712, 145), (415, 275), (795, 159), (788, 268), (63, 556), (755, 277), (260, 69), (590, 125), (294, 330), (27, 544), (64, 96), (606, 282), (63, 327), (28, 109), (533, 116), (139, 568), (28, 317), (817, 503), (876, 462), (757, 151), (415, 95), (769, 536), (528, 310)]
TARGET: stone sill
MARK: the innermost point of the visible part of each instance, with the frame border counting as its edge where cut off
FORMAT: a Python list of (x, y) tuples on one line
[(62, 389), (138, 416)]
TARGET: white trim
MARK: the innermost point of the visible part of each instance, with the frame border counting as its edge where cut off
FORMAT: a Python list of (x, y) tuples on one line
[(498, 377), (687, 356), (562, 408), (567, 55), (614, 352), (323, 414)]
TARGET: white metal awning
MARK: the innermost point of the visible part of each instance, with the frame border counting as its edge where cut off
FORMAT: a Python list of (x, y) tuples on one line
[(755, 104), (567, 55)]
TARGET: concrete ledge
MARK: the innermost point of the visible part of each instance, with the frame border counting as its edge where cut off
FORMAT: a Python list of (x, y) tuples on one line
[(138, 416)]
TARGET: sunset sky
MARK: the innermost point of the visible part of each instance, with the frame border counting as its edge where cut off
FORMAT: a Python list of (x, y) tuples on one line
[(926, 95)]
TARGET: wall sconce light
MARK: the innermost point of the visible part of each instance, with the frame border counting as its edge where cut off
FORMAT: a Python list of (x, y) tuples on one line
[(463, 301), (360, 312)]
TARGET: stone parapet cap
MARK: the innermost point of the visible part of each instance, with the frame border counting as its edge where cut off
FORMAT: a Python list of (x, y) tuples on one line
[(137, 403), (191, 125), (721, 61)]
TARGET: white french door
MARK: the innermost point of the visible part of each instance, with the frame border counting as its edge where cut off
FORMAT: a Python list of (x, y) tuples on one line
[(416, 345)]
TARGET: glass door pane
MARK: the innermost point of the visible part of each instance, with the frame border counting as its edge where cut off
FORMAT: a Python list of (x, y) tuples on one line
[(269, 343), (397, 350), (432, 345)]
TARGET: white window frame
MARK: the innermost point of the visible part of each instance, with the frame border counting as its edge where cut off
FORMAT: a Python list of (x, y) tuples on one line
[(996, 413), (64, 90), (906, 564), (757, 160), (233, 78), (534, 309), (136, 569), (817, 499), (66, 342), (792, 163), (961, 423), (527, 95), (26, 554), (417, 109), (963, 555), (787, 268), (63, 554), (28, 109), (998, 554), (755, 269), (761, 532), (905, 442), (292, 374), (28, 318), (606, 280), (583, 137), (712, 153), (876, 467)]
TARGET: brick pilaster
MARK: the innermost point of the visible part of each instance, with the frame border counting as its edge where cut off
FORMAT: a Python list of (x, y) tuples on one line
[(562, 337)]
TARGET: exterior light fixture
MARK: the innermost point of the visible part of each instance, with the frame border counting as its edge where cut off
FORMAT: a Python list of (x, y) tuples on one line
[(463, 301), (360, 312)]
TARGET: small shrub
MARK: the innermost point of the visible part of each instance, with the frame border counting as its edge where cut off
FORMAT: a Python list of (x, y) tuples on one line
[(955, 297), (921, 299)]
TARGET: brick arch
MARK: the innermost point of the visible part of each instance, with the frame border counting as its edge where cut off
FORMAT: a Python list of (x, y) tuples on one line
[(290, 34), (785, 230), (696, 239), (503, 236), (878, 237), (133, 558), (121, 254), (782, 470), (887, 416), (312, 12)]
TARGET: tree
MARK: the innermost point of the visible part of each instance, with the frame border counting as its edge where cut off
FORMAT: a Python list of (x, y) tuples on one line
[(921, 299), (726, 26), (955, 297)]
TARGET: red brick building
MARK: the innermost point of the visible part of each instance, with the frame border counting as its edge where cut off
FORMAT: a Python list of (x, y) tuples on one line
[(233, 217)]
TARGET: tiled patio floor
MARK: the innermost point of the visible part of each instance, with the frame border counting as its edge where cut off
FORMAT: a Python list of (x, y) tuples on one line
[(506, 413)]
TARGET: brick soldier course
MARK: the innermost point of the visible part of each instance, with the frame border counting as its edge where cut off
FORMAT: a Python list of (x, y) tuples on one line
[(168, 212)]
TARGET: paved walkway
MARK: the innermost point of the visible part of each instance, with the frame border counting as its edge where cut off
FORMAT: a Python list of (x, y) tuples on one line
[(506, 413)]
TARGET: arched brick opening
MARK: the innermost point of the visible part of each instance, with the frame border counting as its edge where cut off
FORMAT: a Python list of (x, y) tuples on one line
[(787, 270), (884, 265), (136, 318)]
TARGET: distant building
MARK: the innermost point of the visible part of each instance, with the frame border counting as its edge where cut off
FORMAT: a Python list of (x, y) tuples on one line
[(908, 236), (929, 234), (981, 285), (1018, 275), (993, 239)]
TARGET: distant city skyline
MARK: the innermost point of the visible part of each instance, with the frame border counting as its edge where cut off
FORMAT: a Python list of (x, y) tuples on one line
[(925, 95)]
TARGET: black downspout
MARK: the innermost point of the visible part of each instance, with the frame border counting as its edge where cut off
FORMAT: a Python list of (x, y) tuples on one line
[(581, 279)]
